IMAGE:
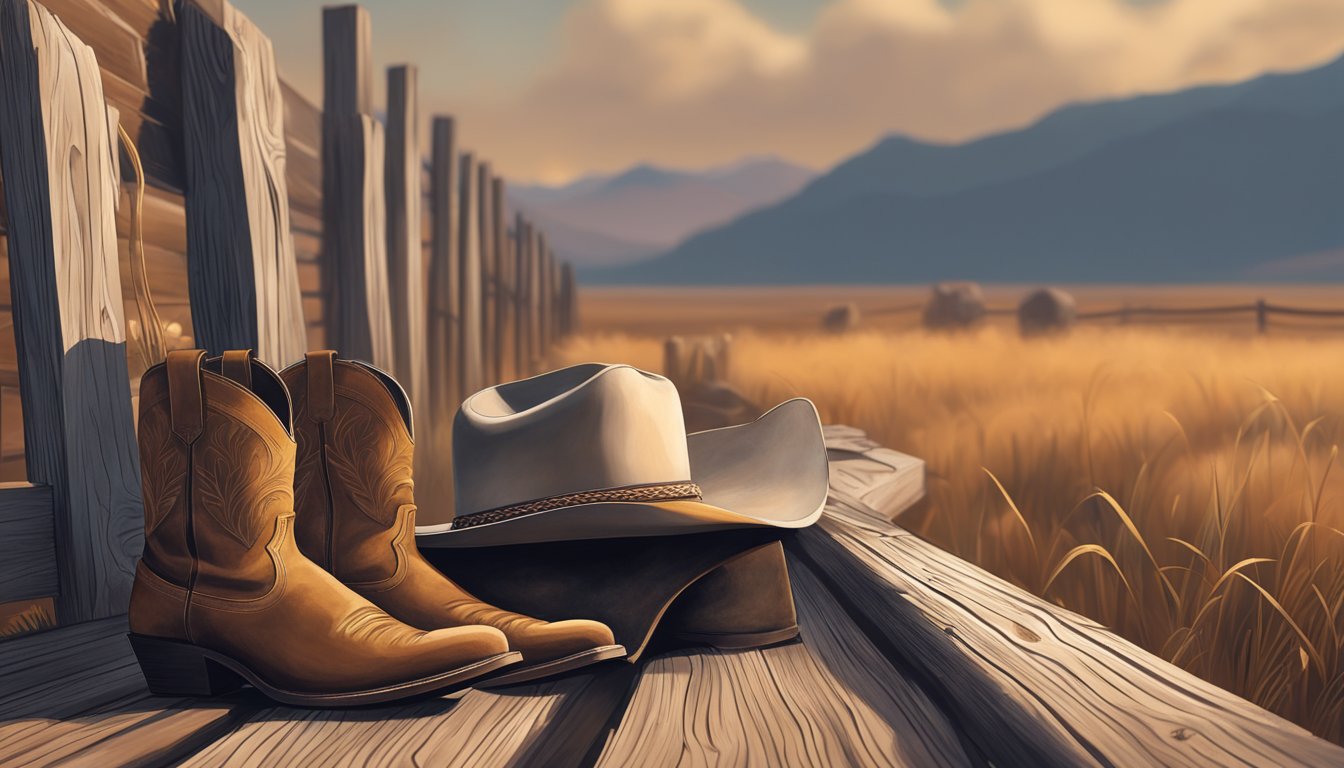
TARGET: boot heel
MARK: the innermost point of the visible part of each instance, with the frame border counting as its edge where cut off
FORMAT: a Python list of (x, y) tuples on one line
[(744, 603), (173, 668)]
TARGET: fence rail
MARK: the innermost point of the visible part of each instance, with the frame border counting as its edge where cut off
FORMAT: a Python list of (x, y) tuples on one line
[(1262, 310)]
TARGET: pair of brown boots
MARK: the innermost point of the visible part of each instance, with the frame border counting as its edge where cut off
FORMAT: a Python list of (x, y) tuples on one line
[(292, 566)]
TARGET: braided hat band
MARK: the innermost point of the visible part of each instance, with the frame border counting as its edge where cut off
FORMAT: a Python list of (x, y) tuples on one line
[(633, 493)]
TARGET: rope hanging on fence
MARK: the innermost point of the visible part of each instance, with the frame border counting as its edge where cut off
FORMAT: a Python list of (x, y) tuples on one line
[(149, 344)]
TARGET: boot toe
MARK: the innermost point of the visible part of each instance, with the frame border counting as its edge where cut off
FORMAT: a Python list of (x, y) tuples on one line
[(460, 646), (558, 639)]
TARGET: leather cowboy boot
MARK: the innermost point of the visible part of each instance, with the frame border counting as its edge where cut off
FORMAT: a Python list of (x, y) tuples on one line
[(356, 517), (222, 594)]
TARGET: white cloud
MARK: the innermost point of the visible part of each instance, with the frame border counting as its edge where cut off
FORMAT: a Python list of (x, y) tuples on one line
[(698, 82)]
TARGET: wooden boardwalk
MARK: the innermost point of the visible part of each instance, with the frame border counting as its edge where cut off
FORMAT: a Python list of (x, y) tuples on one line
[(908, 657)]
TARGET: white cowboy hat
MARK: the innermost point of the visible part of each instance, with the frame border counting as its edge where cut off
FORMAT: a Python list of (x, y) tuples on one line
[(600, 451)]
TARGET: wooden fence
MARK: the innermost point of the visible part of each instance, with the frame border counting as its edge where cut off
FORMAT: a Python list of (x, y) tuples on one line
[(1261, 312), (134, 133)]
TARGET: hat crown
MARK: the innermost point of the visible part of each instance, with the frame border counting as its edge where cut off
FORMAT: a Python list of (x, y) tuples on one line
[(585, 428)]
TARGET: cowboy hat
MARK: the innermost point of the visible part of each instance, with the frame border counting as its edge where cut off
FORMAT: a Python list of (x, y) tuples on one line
[(600, 451)]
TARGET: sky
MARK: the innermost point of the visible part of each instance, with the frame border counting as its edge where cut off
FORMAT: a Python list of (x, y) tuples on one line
[(550, 90)]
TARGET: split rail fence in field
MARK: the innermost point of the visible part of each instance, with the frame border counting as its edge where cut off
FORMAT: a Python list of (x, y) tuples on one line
[(163, 187)]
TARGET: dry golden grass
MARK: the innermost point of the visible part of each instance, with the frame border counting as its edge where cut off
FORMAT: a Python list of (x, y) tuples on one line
[(1176, 486)]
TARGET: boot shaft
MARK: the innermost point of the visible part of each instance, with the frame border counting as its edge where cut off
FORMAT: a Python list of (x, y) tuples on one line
[(354, 491), (217, 466)]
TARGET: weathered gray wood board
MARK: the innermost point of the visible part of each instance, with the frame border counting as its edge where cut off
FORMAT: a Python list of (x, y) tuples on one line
[(545, 320), (1029, 683), (486, 227), (354, 242), (28, 537), (548, 724), (569, 301), (469, 368), (830, 700), (503, 280), (75, 696), (522, 295), (243, 277), (444, 298), (405, 258), (60, 187)]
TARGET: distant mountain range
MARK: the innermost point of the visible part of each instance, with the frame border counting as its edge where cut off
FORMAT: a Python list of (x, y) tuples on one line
[(1220, 183), (618, 219)]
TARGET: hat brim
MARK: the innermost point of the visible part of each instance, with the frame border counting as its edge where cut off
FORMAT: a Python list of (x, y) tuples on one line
[(771, 472)]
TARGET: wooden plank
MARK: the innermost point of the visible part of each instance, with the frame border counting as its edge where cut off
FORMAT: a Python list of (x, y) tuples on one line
[(358, 315), (75, 696), (444, 298), (27, 530), (60, 191), (405, 257), (503, 280), (486, 228), (544, 317), (469, 378), (552, 723), (569, 301), (831, 699), (244, 287), (522, 305), (1031, 683), (536, 348)]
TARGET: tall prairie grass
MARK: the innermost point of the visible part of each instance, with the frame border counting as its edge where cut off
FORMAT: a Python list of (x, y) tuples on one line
[(1178, 487)]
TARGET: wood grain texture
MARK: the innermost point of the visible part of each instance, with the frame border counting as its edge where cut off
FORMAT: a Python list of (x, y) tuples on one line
[(569, 301), (469, 368), (405, 256), (522, 302), (444, 275), (546, 320), (27, 543), (358, 312), (75, 696), (547, 724), (503, 357), (829, 700), (243, 278), (1029, 683), (60, 190), (489, 266), (354, 240)]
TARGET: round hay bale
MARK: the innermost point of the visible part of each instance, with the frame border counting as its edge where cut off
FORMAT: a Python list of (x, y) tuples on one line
[(841, 319), (1047, 310), (955, 305)]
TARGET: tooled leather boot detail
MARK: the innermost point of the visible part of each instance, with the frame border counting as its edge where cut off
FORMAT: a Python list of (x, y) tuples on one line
[(359, 466), (222, 582)]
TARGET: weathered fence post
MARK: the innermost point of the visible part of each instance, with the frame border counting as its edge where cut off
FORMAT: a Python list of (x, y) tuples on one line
[(535, 286), (469, 253), (443, 275), (674, 359), (58, 159), (1261, 316), (503, 279), (522, 292), (569, 301), (242, 276), (354, 265), (489, 268), (405, 252), (543, 267)]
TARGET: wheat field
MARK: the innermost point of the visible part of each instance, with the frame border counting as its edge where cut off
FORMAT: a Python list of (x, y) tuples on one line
[(1177, 485)]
